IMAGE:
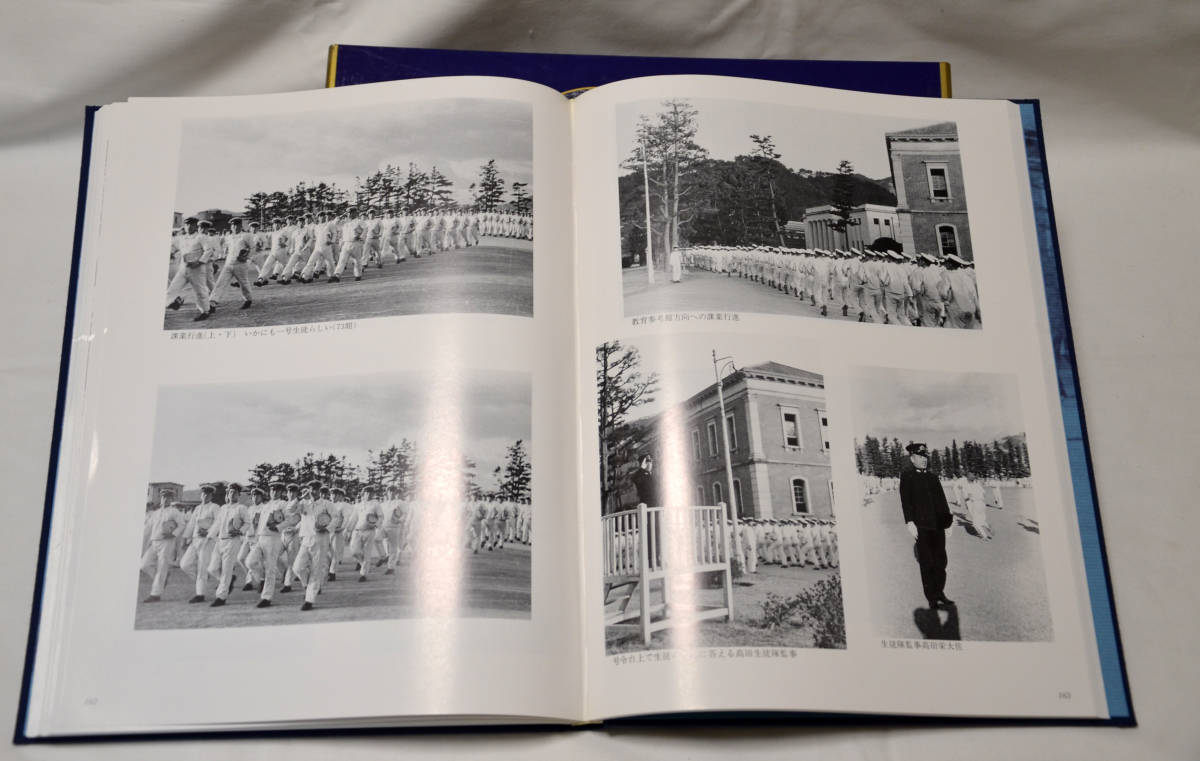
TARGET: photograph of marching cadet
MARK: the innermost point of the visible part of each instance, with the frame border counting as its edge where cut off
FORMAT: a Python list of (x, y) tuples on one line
[(375, 211), (767, 208), (329, 510), (718, 522), (950, 517)]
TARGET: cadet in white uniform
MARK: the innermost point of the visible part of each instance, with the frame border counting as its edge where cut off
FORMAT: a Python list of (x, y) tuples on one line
[(250, 537), (199, 553), (291, 534), (193, 250), (342, 531), (303, 244), (368, 516), (264, 559), (324, 239), (312, 558), (227, 528), (353, 234), (165, 525), (238, 248), (281, 248)]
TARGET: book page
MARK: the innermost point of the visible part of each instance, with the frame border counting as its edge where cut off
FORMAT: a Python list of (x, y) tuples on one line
[(823, 461), (314, 459)]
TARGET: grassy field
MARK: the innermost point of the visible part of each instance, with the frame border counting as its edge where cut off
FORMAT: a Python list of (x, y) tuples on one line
[(495, 277), (494, 585)]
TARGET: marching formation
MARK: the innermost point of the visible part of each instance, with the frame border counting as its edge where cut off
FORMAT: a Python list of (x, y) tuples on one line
[(309, 247), (301, 536), (875, 286), (787, 542)]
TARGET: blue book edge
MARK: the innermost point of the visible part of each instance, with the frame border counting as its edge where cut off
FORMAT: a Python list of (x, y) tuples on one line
[(64, 365), (1091, 533)]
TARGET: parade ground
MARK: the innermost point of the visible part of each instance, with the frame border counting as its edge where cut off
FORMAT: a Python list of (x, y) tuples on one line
[(494, 277), (998, 586), (496, 584), (701, 290), (749, 593)]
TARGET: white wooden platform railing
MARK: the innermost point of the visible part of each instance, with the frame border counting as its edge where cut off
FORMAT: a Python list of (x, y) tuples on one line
[(663, 544)]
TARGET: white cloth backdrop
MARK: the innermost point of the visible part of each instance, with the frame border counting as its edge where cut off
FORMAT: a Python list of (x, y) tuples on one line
[(1120, 88)]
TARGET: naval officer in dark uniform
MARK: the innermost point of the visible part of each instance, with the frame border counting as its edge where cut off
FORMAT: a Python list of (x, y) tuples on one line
[(927, 517)]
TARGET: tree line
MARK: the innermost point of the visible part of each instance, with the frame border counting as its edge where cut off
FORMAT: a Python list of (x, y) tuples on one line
[(1006, 457), (696, 199), (396, 466), (396, 191)]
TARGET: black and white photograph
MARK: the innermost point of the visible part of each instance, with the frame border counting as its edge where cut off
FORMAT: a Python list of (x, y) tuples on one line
[(950, 520), (769, 208), (396, 500), (718, 513), (373, 211)]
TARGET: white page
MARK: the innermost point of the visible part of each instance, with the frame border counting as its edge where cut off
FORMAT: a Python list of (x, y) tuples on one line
[(1045, 666), (467, 376)]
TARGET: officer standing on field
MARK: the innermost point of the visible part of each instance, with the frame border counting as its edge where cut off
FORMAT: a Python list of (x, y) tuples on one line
[(927, 518)]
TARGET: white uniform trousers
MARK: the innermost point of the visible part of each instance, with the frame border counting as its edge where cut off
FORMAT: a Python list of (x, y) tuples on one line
[(196, 559), (391, 535), (264, 562), (297, 260), (156, 563), (194, 277), (351, 251), (224, 556), (337, 549), (312, 558), (320, 255), (360, 548), (235, 269)]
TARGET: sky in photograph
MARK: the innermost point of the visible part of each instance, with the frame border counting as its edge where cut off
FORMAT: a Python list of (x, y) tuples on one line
[(935, 407), (220, 431), (684, 362), (806, 138), (222, 161)]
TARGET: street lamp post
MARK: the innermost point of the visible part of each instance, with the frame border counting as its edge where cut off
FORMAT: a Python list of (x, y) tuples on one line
[(719, 364)]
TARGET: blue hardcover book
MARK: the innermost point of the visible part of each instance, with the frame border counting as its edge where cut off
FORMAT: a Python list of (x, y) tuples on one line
[(572, 74), (124, 693)]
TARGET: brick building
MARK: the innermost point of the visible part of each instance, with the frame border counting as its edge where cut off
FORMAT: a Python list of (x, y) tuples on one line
[(930, 198), (778, 445)]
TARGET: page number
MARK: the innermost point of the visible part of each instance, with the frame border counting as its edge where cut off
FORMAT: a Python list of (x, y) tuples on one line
[(1064, 695), (91, 701)]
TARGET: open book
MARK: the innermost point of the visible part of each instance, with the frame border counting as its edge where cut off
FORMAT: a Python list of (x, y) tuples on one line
[(452, 401)]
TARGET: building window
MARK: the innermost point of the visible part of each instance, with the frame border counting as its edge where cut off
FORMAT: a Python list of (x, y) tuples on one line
[(791, 426), (699, 495), (887, 223), (717, 494), (939, 187), (799, 495), (731, 431), (947, 239), (824, 428), (876, 220), (712, 439), (737, 497), (696, 451)]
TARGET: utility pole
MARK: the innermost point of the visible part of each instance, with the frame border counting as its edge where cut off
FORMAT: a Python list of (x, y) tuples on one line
[(727, 362)]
